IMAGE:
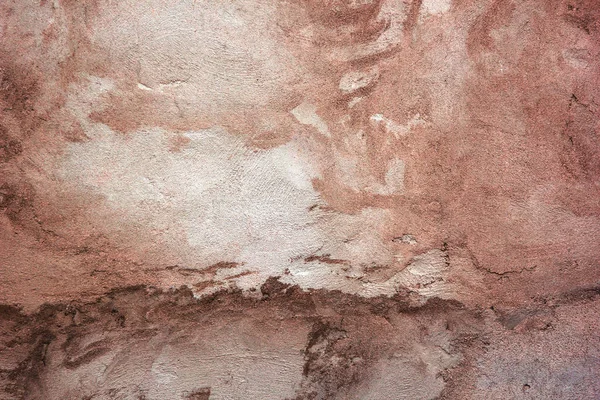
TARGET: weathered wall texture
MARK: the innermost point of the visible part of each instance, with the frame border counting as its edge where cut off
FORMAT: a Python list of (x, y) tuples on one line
[(307, 199)]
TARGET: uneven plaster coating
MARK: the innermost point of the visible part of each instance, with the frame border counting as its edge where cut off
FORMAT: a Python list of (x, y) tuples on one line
[(359, 199)]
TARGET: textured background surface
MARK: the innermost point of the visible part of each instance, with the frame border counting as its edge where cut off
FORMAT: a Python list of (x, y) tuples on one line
[(370, 199)]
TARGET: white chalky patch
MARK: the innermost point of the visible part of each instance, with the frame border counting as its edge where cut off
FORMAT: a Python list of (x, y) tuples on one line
[(434, 7), (226, 201), (395, 128), (306, 114), (217, 200)]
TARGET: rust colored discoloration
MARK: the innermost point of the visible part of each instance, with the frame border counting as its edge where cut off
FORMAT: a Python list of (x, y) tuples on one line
[(468, 134), (360, 187)]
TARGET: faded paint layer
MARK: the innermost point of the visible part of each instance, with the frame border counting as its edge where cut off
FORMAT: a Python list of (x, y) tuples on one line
[(415, 152)]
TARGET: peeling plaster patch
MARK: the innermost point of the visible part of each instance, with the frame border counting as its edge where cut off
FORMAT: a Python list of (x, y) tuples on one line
[(355, 80), (355, 241), (396, 129), (141, 86), (306, 114), (430, 275), (434, 7), (310, 276), (225, 201), (218, 200)]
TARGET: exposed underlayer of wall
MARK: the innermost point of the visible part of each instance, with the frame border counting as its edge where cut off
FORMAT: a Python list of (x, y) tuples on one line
[(312, 199), (138, 343)]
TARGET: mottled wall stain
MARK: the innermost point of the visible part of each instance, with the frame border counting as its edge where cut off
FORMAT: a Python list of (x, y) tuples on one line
[(444, 149)]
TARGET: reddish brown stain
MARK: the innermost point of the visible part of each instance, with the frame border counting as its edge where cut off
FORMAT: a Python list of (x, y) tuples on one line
[(503, 174), (530, 126)]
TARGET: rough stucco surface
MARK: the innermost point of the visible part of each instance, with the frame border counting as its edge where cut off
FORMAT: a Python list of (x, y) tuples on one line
[(312, 199)]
